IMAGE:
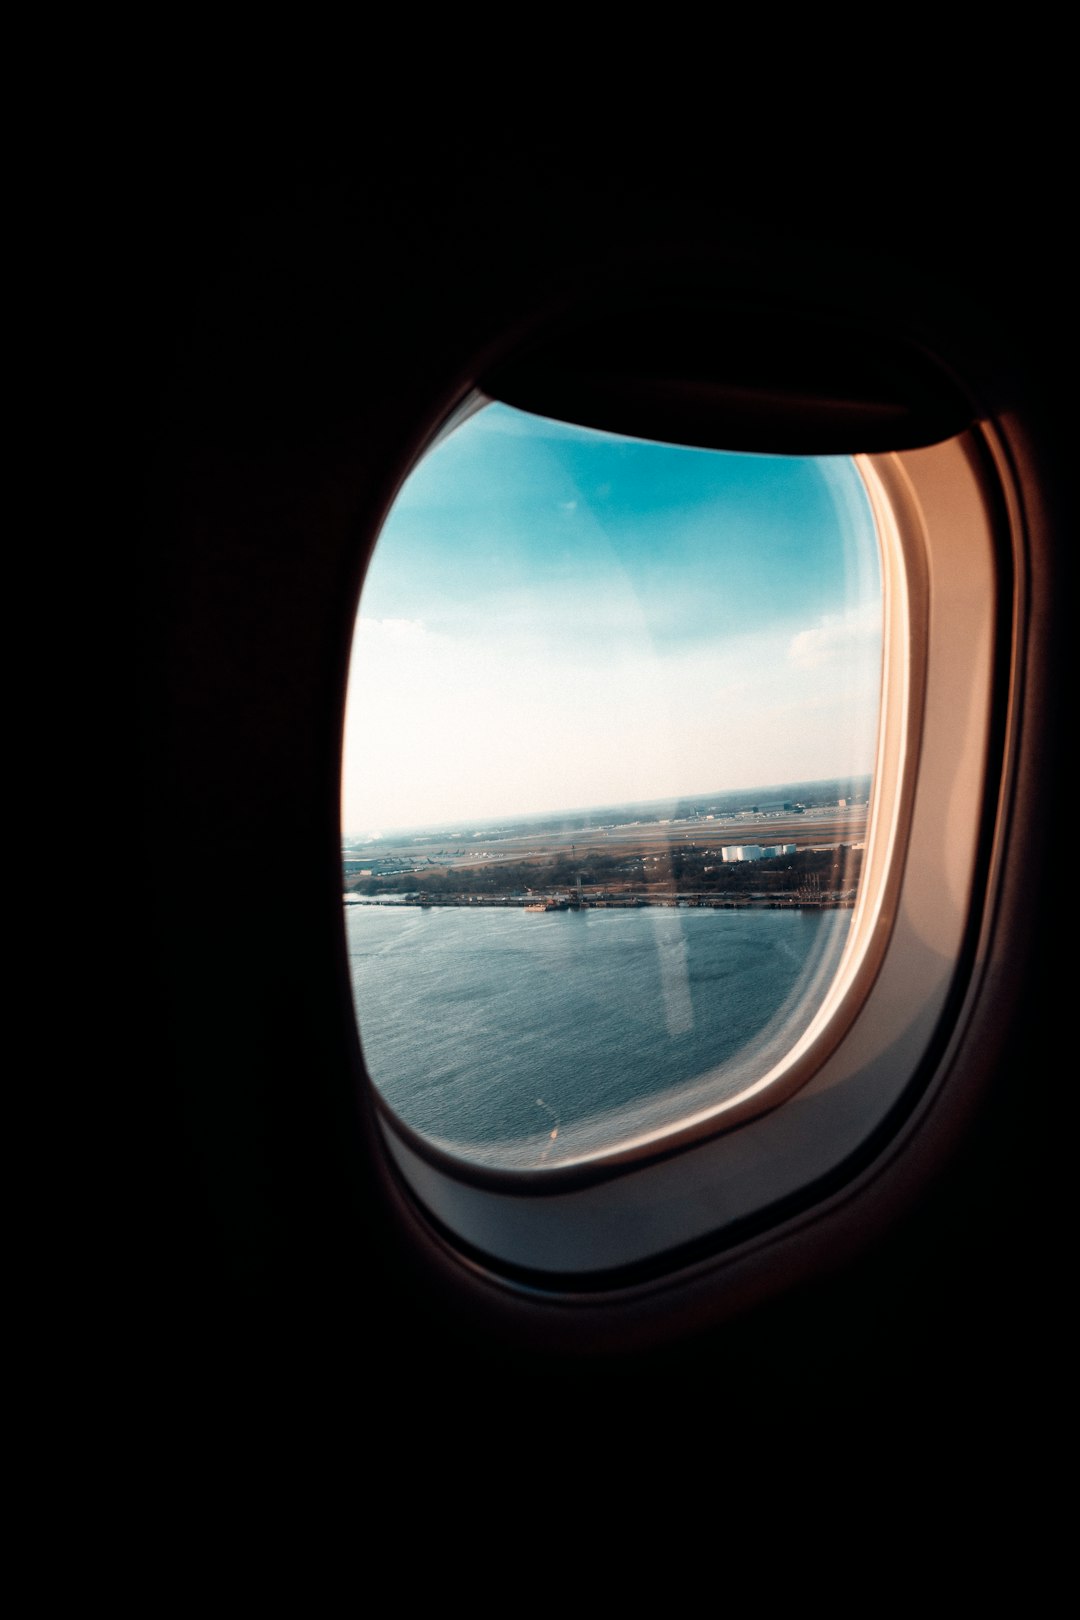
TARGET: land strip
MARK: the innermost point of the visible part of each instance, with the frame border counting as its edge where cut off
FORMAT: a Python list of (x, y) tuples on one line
[(657, 863)]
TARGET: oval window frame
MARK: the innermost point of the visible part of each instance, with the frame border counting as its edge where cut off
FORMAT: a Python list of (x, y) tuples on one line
[(708, 1183)]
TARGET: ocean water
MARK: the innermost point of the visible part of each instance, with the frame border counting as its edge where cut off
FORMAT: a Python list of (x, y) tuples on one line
[(517, 1038)]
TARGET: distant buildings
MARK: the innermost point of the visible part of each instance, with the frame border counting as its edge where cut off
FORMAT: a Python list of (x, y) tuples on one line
[(755, 852)]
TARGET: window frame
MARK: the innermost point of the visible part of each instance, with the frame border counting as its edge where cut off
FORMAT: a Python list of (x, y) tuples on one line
[(704, 1192)]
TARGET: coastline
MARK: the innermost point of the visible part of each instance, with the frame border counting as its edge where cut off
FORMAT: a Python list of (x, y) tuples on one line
[(673, 901)]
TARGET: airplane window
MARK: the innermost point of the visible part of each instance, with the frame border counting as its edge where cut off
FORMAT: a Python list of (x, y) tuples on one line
[(609, 764)]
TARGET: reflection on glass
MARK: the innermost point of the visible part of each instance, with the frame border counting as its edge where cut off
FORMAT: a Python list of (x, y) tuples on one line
[(612, 715)]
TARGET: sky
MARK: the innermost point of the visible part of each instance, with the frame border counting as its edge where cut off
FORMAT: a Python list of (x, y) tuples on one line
[(556, 618)]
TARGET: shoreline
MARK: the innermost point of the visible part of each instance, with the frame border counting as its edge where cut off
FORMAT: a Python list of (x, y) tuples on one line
[(670, 902)]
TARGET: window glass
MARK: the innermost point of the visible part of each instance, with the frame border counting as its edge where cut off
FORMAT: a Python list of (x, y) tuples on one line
[(611, 723)]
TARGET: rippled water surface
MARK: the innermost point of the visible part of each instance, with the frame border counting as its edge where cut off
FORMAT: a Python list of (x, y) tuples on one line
[(519, 1038)]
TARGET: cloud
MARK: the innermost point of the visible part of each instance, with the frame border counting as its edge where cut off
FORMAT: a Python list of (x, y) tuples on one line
[(836, 637), (390, 632)]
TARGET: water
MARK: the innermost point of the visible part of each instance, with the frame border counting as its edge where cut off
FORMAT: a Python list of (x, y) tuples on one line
[(515, 1038)]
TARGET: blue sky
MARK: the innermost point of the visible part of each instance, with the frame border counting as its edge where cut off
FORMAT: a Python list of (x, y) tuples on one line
[(556, 618)]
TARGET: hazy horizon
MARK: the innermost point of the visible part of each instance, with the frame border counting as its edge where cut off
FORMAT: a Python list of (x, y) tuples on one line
[(765, 792)]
